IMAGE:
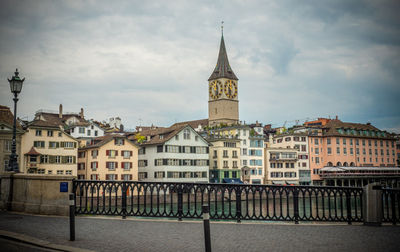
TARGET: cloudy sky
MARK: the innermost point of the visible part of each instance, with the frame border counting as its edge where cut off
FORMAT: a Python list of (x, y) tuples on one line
[(148, 61)]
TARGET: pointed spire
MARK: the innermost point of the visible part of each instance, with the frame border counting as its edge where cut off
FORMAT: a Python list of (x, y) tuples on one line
[(222, 69)]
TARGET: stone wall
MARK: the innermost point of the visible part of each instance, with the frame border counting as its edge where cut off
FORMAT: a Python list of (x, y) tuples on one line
[(35, 193)]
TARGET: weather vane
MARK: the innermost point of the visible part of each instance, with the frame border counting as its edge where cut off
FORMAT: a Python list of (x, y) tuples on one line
[(222, 27)]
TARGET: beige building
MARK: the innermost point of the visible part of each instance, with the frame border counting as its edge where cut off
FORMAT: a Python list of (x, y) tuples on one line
[(281, 168), (47, 149), (111, 157), (6, 134), (224, 159)]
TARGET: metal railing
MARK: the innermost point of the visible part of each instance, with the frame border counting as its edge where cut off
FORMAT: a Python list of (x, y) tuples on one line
[(391, 205), (226, 201)]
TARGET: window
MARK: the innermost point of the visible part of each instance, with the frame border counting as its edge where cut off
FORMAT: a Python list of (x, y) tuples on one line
[(68, 172), (111, 165), (111, 177), (316, 141), (49, 172), (337, 141), (142, 175), (287, 139), (244, 162), (142, 163), (81, 130), (344, 141), (44, 159), (226, 174), (244, 151), (159, 174), (186, 134), (364, 152), (49, 133), (32, 159), (94, 165), (338, 150), (38, 144), (363, 142), (328, 141), (234, 164), (111, 153), (127, 154), (357, 142), (196, 138), (344, 151), (304, 148), (317, 160), (60, 172), (70, 159), (351, 141), (38, 133), (126, 165), (59, 134), (95, 153), (303, 139), (329, 150), (95, 133), (41, 171), (316, 151), (119, 141), (225, 153), (226, 164), (244, 142), (351, 151), (88, 132), (68, 145), (126, 177), (369, 142), (81, 166), (58, 160), (234, 174), (54, 145), (234, 154), (358, 151), (7, 145)]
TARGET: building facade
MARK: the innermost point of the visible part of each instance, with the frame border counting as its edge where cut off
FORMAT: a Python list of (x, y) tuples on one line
[(281, 166), (340, 144), (224, 159), (298, 141), (111, 157), (174, 154), (47, 149)]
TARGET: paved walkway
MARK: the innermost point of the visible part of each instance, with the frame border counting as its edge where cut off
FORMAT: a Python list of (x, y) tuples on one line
[(133, 234)]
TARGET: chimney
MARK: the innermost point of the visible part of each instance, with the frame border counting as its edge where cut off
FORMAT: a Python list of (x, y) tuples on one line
[(81, 114), (60, 114)]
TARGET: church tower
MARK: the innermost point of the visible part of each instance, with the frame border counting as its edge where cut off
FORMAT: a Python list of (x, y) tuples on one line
[(223, 103)]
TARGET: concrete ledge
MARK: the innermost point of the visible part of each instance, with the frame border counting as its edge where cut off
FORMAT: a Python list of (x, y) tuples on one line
[(37, 242)]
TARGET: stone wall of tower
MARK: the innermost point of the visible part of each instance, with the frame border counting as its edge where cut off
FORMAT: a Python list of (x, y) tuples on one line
[(224, 111)]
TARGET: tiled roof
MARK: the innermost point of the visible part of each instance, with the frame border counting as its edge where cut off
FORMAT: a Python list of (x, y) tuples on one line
[(7, 117), (33, 152), (330, 129), (194, 124), (41, 123), (53, 117), (100, 141), (154, 134), (222, 69)]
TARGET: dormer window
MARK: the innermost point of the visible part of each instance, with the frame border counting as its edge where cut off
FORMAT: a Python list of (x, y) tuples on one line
[(119, 141), (161, 136)]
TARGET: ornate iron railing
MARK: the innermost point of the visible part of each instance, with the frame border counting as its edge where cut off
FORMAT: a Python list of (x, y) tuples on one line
[(391, 205), (226, 201)]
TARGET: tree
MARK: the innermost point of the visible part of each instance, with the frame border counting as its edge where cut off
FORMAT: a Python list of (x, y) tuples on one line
[(139, 138)]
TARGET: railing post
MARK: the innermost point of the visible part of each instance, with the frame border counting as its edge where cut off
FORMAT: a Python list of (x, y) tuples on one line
[(372, 208), (238, 203), (72, 217), (348, 206), (180, 202), (206, 225), (123, 200), (393, 202), (296, 205)]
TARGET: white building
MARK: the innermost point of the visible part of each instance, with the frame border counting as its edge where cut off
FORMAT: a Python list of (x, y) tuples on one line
[(298, 141), (86, 130), (252, 155), (174, 154), (281, 168)]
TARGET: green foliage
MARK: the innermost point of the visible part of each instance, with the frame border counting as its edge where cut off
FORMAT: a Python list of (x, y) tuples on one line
[(139, 138)]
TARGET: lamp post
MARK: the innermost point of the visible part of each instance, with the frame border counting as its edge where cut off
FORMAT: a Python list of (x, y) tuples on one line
[(15, 86)]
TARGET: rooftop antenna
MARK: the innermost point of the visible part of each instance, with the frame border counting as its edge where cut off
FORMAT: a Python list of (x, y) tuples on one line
[(222, 28)]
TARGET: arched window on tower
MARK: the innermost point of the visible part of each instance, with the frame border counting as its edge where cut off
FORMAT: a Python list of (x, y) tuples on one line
[(345, 164), (339, 164), (352, 164), (329, 164)]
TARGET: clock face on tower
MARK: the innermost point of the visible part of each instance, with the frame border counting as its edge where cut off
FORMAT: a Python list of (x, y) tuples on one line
[(215, 89), (230, 89)]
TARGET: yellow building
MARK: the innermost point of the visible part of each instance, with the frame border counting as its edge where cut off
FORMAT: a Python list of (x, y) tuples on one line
[(47, 149), (111, 157), (224, 159)]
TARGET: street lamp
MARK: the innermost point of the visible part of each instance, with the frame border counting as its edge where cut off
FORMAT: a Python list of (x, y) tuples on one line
[(15, 86)]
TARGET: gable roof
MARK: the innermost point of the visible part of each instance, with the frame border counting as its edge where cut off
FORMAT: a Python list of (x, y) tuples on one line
[(330, 129), (100, 141), (194, 124), (166, 133)]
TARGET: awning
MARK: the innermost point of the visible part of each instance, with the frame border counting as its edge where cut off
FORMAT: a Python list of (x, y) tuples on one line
[(278, 182), (232, 181), (290, 182)]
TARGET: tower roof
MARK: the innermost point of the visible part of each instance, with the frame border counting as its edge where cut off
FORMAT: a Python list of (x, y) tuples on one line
[(222, 69)]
